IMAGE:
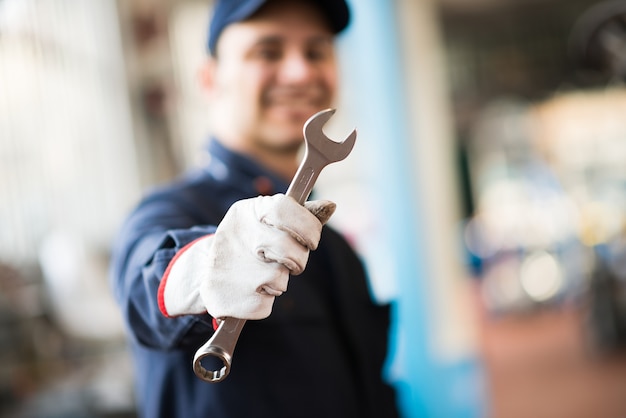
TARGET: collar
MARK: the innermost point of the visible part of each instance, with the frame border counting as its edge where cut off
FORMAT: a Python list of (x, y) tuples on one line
[(226, 164)]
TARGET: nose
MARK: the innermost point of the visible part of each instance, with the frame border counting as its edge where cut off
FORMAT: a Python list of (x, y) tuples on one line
[(296, 68)]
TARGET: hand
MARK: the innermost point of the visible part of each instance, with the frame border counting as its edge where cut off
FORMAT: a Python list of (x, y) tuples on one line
[(239, 271)]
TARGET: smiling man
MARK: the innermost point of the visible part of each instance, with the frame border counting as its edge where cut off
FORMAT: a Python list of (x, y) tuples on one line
[(267, 76), (224, 241)]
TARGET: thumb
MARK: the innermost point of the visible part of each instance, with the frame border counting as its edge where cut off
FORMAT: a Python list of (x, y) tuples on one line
[(321, 209)]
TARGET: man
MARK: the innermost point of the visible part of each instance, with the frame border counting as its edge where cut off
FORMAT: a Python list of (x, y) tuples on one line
[(223, 241)]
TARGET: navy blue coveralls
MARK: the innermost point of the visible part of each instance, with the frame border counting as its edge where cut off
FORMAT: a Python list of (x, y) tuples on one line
[(319, 354)]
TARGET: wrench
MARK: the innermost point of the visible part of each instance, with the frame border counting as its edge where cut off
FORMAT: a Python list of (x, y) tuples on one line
[(319, 152)]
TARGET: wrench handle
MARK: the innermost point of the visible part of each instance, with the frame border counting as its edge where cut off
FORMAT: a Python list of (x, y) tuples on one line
[(302, 184)]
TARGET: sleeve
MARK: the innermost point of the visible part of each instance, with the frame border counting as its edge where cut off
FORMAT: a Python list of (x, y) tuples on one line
[(148, 241)]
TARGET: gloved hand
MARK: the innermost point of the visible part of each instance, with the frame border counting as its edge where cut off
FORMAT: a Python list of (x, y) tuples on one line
[(239, 270)]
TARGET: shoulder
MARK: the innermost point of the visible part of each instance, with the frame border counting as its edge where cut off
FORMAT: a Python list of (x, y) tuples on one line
[(190, 186), (337, 241), (192, 199), (341, 253)]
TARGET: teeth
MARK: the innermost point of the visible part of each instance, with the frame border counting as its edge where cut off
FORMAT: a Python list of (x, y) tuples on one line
[(294, 101), (294, 104)]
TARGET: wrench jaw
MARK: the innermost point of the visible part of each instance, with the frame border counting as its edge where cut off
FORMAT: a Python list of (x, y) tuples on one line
[(315, 138)]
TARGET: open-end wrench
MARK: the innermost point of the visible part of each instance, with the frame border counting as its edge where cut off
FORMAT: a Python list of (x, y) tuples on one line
[(319, 152)]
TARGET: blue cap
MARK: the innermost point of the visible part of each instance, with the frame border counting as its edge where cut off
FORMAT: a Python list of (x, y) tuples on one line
[(226, 12)]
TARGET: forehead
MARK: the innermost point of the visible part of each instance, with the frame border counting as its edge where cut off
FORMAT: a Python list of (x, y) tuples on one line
[(287, 21)]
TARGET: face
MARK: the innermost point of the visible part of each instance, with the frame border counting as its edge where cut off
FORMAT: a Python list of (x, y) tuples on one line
[(270, 74)]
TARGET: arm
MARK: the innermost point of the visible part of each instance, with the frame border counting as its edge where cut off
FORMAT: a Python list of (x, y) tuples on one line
[(148, 241), (167, 278)]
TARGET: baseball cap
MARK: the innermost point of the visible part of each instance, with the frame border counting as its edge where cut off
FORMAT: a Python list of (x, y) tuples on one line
[(226, 12)]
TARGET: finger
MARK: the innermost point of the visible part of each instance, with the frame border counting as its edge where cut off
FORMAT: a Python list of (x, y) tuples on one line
[(280, 247), (284, 213)]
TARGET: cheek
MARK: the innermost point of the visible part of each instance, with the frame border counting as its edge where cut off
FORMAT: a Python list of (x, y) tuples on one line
[(331, 82), (245, 87)]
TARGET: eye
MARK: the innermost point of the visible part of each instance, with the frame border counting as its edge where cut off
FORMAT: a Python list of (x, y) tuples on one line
[(319, 51), (268, 53), (316, 54)]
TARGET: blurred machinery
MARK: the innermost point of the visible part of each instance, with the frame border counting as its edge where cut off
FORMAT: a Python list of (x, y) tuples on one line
[(598, 41), (57, 360), (523, 235), (548, 183)]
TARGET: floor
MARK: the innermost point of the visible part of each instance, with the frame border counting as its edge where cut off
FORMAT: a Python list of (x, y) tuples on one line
[(541, 365)]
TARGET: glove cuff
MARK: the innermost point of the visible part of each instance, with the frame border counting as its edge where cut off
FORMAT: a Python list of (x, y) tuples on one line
[(179, 290)]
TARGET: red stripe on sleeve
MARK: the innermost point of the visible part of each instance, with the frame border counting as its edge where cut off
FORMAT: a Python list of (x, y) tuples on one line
[(163, 283)]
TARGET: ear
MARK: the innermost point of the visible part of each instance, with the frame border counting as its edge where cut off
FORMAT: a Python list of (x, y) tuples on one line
[(206, 76)]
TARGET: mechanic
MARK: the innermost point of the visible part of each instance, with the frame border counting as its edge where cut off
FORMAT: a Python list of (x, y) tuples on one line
[(189, 252)]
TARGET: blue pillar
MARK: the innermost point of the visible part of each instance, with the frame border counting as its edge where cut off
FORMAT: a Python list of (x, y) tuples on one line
[(376, 99)]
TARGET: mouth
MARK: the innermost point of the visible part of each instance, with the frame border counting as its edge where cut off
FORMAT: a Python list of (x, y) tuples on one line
[(295, 106), (296, 101)]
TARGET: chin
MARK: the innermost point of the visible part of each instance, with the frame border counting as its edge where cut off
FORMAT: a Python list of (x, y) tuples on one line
[(295, 115), (290, 140)]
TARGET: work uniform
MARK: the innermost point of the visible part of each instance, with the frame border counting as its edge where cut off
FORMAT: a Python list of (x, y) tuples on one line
[(319, 354)]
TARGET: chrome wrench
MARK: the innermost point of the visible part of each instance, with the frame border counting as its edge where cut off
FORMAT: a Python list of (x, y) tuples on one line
[(319, 152)]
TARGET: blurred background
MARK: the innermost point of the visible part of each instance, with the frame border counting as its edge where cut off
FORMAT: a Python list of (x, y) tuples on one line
[(487, 193)]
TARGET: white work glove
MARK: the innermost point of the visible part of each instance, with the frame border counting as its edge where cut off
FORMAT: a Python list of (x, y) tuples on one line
[(238, 271)]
